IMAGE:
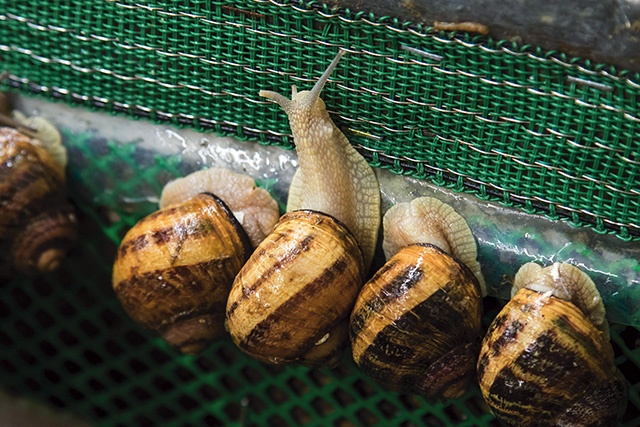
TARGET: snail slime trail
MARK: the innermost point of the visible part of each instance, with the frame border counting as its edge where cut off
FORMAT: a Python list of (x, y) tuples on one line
[(291, 300)]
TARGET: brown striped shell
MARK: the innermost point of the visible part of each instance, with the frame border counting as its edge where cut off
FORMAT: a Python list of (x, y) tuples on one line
[(174, 269), (291, 300), (544, 363), (415, 327), (37, 224)]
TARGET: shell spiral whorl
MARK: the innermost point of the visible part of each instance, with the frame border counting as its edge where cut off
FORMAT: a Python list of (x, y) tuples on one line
[(37, 224), (416, 327), (290, 301), (174, 269), (544, 363)]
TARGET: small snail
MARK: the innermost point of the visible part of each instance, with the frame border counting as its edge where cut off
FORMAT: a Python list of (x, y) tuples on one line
[(415, 327), (546, 359), (174, 268), (291, 300), (37, 224)]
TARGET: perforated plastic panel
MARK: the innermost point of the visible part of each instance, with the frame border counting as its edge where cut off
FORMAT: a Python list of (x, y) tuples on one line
[(66, 341)]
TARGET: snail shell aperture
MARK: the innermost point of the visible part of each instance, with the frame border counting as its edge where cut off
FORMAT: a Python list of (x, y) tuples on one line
[(543, 361), (37, 224), (174, 268), (416, 324)]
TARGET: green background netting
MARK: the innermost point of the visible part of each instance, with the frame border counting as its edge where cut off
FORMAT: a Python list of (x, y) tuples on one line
[(533, 129), (513, 123)]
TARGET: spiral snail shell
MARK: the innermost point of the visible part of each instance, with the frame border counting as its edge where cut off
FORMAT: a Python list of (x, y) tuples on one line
[(546, 359), (37, 224), (415, 327), (291, 300), (174, 268)]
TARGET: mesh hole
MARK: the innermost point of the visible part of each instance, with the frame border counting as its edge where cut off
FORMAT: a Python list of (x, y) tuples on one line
[(277, 421), (233, 410), (166, 413), (5, 340), (321, 406), (51, 376), (252, 374), (184, 374), (230, 383), (48, 349), (89, 328), (141, 394), (76, 394), (387, 409), (22, 299), (366, 417), (144, 421), (188, 403), (113, 348), (159, 356), (120, 404), (276, 395), (297, 386), (209, 393), (301, 416), (8, 366), (455, 414), (57, 402), (24, 329), (138, 366), (410, 402), (68, 339), (92, 357), (72, 367), (134, 338), (343, 398), (44, 318), (210, 420), (162, 384), (433, 421), (96, 385), (66, 309), (5, 311), (28, 358), (117, 376), (32, 384), (364, 389)]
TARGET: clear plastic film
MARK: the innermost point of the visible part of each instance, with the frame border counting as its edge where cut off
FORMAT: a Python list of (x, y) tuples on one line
[(121, 165)]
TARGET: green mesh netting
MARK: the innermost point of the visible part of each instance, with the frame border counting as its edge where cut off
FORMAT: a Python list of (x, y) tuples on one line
[(66, 340), (534, 129)]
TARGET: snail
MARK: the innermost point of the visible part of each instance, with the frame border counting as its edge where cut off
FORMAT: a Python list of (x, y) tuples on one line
[(38, 226), (416, 325), (174, 267), (546, 359), (291, 300)]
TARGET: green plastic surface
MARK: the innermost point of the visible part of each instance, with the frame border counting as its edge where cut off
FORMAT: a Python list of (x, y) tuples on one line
[(534, 129), (66, 340)]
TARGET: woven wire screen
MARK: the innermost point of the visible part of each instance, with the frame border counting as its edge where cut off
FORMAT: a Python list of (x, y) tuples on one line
[(534, 129)]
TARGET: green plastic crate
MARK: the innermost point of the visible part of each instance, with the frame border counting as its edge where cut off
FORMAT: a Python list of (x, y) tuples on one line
[(535, 130)]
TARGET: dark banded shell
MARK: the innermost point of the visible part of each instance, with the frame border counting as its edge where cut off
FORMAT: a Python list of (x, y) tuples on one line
[(543, 363), (174, 270), (415, 327), (37, 224), (291, 300)]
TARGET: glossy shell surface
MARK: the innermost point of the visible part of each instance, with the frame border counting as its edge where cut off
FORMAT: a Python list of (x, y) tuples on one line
[(175, 267), (37, 224), (543, 363), (291, 300), (415, 327)]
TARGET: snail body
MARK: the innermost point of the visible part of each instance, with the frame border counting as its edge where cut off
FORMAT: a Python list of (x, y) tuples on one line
[(546, 360), (416, 324), (291, 300), (37, 224), (174, 268)]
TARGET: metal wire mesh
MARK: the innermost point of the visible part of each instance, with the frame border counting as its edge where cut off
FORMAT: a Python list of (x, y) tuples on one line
[(534, 129)]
